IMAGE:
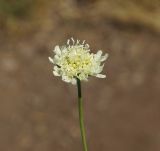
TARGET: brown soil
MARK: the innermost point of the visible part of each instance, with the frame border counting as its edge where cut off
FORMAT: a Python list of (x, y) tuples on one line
[(38, 112)]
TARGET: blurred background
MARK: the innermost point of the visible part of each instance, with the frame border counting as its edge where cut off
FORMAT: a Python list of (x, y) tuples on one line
[(38, 112)]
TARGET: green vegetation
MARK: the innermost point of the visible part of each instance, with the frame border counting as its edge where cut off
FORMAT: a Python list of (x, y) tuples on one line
[(15, 8)]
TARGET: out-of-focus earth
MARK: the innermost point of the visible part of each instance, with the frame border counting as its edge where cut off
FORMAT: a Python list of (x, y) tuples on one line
[(38, 112)]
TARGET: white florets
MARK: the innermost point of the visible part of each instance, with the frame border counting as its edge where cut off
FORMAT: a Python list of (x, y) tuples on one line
[(75, 61)]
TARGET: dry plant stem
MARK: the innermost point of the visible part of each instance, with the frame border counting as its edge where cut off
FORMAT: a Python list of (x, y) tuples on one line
[(81, 118)]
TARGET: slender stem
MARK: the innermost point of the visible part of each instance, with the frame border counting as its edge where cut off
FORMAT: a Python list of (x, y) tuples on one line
[(81, 119)]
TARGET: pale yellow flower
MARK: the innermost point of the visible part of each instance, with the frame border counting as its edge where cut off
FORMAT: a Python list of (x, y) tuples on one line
[(74, 60)]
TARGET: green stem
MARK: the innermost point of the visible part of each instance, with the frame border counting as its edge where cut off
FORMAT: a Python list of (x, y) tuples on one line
[(81, 119)]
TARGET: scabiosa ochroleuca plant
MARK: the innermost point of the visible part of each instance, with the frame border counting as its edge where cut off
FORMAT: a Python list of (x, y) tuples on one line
[(75, 63)]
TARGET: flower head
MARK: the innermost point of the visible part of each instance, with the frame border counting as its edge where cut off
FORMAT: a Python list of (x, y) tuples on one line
[(74, 60)]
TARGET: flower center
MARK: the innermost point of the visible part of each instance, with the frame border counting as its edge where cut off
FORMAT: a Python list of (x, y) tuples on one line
[(78, 63)]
